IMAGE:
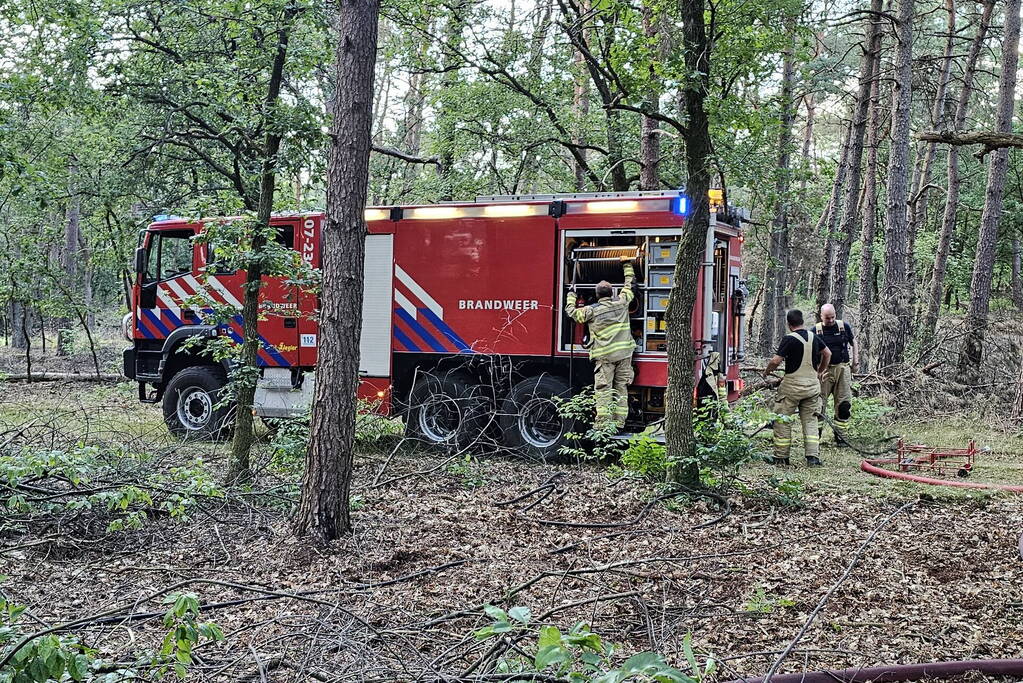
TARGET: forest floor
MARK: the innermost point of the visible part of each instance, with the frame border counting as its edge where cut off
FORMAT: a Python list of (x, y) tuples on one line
[(437, 538)]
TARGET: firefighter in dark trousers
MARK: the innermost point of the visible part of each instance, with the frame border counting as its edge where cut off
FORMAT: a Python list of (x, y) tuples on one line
[(806, 361), (838, 337), (612, 346)]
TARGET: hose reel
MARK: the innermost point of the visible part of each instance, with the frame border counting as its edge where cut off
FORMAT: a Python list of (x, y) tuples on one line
[(593, 264)]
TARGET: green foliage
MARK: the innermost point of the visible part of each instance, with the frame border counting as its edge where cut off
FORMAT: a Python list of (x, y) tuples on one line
[(646, 457), (579, 655), (289, 439), (722, 444), (868, 420), (594, 443), (788, 493), (468, 470), (47, 658), (48, 483), (762, 602), (185, 632)]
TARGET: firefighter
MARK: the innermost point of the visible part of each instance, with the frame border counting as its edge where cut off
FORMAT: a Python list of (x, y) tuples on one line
[(806, 359), (838, 337), (612, 346)]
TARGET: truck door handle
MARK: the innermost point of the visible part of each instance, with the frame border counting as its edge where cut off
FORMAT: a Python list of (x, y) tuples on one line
[(291, 322)]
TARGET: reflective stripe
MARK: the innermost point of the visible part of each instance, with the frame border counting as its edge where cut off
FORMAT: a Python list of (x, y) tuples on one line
[(610, 331), (611, 348)]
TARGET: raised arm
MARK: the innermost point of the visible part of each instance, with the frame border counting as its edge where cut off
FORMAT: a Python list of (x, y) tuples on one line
[(627, 295), (580, 315)]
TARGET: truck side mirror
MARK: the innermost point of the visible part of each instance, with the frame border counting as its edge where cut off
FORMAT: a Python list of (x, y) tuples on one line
[(140, 262)]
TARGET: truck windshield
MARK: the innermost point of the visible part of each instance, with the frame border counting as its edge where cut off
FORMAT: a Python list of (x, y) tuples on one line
[(170, 254)]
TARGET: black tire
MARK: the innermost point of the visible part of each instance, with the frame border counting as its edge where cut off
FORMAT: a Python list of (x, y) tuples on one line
[(448, 411), (530, 423), (190, 404)]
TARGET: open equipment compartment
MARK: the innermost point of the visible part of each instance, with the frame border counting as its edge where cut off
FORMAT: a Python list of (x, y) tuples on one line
[(588, 259)]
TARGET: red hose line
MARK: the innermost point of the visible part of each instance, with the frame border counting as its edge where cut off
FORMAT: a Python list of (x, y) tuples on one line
[(871, 467), (900, 672)]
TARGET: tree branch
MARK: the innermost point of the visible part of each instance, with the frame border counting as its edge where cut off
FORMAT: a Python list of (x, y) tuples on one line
[(991, 140), (404, 156)]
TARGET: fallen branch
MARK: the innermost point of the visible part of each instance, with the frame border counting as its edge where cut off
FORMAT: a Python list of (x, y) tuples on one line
[(991, 140), (831, 591), (62, 376)]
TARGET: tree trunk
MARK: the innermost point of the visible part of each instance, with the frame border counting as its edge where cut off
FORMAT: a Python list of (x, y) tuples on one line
[(323, 511), (850, 212), (69, 257), (581, 109), (869, 229), (983, 267), (650, 136), (918, 201), (19, 326), (238, 461), (779, 261), (894, 296), (1017, 403), (824, 273), (454, 27), (1017, 282), (948, 220), (681, 442)]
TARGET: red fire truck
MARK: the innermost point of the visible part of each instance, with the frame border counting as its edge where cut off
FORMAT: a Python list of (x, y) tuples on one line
[(463, 329)]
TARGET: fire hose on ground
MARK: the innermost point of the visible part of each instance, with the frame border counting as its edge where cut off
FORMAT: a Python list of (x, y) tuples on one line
[(899, 672), (872, 464)]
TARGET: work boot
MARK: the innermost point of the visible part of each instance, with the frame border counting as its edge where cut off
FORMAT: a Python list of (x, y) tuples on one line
[(814, 461), (780, 462)]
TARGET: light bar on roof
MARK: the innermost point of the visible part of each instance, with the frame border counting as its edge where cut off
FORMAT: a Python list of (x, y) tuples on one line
[(434, 212), (612, 206), (377, 214), (504, 210), (513, 210)]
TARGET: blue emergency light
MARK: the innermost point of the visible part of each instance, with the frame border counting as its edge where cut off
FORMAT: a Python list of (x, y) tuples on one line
[(679, 205)]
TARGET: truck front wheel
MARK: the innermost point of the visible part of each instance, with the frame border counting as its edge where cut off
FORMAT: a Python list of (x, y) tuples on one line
[(530, 421), (190, 404)]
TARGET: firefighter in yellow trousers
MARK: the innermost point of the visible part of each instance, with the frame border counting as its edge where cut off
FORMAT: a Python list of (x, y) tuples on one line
[(612, 346), (837, 335), (806, 359)]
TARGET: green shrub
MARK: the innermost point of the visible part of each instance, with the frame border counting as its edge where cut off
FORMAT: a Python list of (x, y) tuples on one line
[(39, 483), (582, 409), (579, 655), (722, 443), (290, 437)]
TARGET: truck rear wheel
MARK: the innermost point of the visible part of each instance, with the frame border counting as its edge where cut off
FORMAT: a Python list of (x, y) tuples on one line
[(190, 404), (449, 411), (530, 421)]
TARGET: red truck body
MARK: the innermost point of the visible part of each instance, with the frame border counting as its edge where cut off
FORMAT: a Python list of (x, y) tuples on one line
[(475, 289)]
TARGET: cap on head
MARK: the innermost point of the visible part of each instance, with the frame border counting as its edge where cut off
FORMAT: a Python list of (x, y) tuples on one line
[(828, 314), (794, 318), (604, 289)]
